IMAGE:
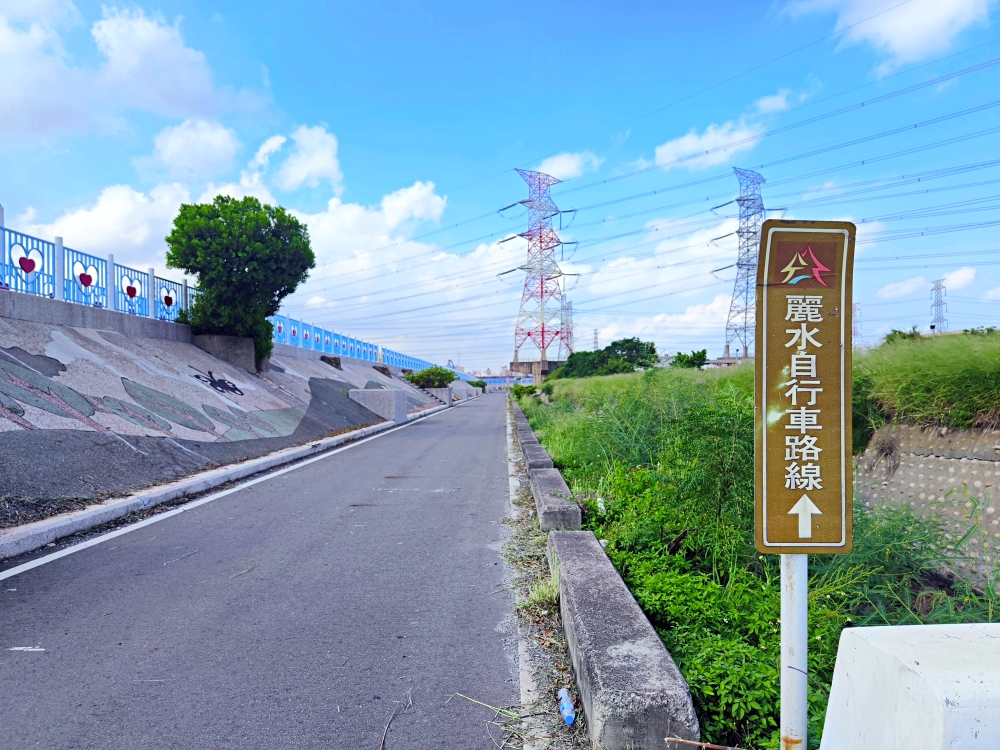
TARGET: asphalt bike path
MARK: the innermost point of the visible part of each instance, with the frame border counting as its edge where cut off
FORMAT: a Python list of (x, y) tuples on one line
[(299, 612)]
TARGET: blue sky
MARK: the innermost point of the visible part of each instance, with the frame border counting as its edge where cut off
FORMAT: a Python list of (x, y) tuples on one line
[(384, 125)]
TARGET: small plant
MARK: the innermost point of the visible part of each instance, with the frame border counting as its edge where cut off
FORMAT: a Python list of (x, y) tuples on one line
[(896, 335), (544, 594), (434, 376)]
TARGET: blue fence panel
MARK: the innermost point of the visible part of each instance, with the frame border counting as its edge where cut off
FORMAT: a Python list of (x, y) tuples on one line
[(131, 293), (280, 323), (86, 280), (27, 264), (318, 339), (294, 332), (351, 345), (337, 340), (307, 336), (327, 342), (169, 299)]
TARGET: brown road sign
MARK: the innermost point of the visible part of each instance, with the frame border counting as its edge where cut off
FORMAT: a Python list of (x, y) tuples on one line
[(803, 387)]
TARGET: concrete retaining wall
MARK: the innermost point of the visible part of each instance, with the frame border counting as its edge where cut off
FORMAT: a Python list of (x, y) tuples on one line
[(237, 351), (28, 307), (632, 692), (387, 403)]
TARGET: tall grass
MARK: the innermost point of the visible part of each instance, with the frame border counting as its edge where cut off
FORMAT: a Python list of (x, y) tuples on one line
[(951, 380), (664, 461)]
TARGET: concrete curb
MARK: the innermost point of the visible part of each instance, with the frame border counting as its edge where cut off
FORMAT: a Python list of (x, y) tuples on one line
[(22, 539), (536, 457), (632, 692), (553, 500)]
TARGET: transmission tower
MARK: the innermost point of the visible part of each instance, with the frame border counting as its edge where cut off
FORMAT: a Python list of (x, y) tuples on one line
[(595, 339), (938, 307), (856, 336), (542, 315), (566, 326), (742, 311)]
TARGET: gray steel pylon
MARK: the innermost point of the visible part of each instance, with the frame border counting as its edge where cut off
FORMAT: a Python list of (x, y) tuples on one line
[(741, 324)]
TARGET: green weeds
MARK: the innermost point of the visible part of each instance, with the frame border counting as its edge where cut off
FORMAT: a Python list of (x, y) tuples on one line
[(664, 461)]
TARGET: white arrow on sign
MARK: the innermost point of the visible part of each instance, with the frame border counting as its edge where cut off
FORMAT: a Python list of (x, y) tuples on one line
[(805, 508)]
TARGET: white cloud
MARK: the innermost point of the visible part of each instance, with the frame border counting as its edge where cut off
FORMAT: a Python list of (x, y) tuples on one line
[(773, 103), (959, 279), (415, 202), (123, 221), (905, 288), (710, 148), (993, 293), (911, 32), (268, 147), (566, 166), (145, 65), (195, 148), (314, 159)]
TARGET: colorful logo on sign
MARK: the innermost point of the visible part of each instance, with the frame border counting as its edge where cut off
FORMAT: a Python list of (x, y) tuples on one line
[(793, 271)]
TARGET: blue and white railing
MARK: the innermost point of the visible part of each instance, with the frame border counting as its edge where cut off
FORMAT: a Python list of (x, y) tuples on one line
[(48, 269), (297, 333)]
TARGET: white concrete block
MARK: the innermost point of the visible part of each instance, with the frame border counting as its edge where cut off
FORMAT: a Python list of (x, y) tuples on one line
[(916, 687)]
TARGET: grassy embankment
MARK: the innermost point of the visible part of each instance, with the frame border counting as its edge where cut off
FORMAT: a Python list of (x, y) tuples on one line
[(664, 462)]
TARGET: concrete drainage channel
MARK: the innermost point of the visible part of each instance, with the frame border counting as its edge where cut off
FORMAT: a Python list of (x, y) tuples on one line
[(33, 536), (630, 689)]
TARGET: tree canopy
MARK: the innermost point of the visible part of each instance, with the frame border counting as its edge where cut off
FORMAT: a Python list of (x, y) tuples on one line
[(247, 257), (694, 360)]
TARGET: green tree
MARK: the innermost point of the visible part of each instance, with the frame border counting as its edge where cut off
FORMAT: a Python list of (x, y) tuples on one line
[(247, 257), (694, 360), (633, 351)]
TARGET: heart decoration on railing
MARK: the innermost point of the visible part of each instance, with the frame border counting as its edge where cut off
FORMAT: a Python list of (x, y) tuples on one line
[(86, 276), (167, 297), (132, 288), (327, 341), (295, 332), (30, 263), (281, 328), (305, 335)]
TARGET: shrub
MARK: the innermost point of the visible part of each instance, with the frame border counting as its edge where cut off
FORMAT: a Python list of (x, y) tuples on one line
[(478, 384), (434, 376), (520, 391), (247, 257)]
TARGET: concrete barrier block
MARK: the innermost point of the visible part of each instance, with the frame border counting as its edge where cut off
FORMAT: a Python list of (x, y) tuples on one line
[(632, 692), (526, 437), (444, 395), (915, 687), (553, 501), (536, 457), (388, 403)]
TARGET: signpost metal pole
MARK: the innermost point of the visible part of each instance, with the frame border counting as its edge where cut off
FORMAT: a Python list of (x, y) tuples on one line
[(794, 650), (803, 426)]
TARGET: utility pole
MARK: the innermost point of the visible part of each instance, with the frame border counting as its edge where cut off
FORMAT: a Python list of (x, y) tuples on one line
[(741, 324), (938, 307), (542, 312)]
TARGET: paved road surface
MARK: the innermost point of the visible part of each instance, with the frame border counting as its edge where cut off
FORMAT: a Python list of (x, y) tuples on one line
[(290, 614)]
